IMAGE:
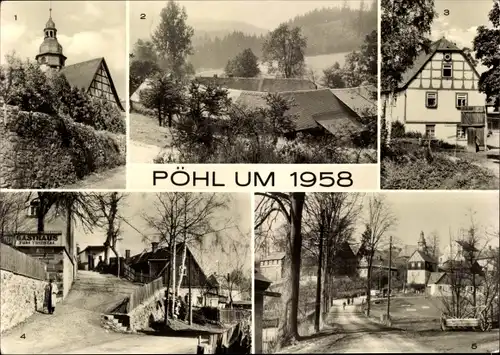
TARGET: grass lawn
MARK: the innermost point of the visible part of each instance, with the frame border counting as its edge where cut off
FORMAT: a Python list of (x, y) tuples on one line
[(411, 313), (146, 130), (459, 341)]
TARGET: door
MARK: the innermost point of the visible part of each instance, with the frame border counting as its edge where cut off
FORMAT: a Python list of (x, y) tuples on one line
[(471, 138), (480, 136)]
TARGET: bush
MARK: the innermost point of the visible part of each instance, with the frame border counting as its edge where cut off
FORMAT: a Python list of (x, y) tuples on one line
[(49, 151), (397, 129)]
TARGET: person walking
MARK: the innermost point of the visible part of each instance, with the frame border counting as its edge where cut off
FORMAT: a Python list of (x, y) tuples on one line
[(343, 305), (51, 293)]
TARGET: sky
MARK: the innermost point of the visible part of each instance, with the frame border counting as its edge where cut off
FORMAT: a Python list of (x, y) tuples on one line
[(460, 25), (137, 204), (261, 13), (85, 29), (433, 211)]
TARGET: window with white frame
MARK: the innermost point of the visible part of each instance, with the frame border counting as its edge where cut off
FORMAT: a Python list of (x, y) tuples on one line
[(461, 132), (33, 209), (447, 70), (461, 100), (431, 99)]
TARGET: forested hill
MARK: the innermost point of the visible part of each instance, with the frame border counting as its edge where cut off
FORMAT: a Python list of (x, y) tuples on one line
[(328, 30)]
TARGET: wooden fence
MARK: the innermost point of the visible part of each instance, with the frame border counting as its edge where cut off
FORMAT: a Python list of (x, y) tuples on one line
[(231, 316), (131, 275), (143, 293), (19, 263)]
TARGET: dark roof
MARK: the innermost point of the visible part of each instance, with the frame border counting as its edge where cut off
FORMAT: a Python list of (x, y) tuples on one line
[(259, 84), (94, 248), (81, 75), (441, 45), (313, 107), (362, 100), (407, 251), (435, 277), (274, 256), (425, 257)]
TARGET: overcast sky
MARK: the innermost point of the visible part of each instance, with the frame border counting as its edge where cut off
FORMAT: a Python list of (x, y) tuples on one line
[(439, 212), (137, 204), (85, 29), (465, 16), (261, 13)]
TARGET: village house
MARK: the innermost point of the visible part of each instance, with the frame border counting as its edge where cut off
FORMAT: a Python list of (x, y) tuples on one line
[(91, 76), (89, 258), (380, 267), (272, 266), (55, 246), (420, 265), (155, 263), (439, 97)]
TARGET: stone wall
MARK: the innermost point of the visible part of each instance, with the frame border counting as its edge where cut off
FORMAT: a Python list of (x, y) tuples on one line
[(43, 151), (20, 297), (151, 310)]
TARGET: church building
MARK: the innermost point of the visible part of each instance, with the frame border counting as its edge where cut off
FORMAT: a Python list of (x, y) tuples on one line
[(439, 97), (91, 76), (420, 265)]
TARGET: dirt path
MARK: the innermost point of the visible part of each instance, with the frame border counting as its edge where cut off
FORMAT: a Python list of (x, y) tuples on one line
[(115, 178), (75, 326), (351, 332), (140, 152)]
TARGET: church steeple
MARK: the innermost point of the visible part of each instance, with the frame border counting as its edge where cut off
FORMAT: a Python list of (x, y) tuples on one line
[(51, 52), (421, 242)]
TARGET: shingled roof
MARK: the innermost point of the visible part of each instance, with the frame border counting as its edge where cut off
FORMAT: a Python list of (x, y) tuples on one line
[(361, 100), (441, 45), (81, 75)]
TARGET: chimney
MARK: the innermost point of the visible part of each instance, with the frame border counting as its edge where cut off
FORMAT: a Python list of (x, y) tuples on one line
[(154, 246), (127, 254)]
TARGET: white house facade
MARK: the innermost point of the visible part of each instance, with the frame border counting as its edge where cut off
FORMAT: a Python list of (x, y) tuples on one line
[(437, 93)]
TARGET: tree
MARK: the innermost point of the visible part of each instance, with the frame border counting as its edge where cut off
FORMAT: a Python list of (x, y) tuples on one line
[(25, 85), (244, 65), (11, 206), (405, 25), (487, 48), (172, 38), (368, 59), (285, 48), (165, 96), (331, 219), (379, 221), (108, 206), (203, 109), (276, 113), (143, 64), (433, 245), (186, 218), (291, 206), (333, 77)]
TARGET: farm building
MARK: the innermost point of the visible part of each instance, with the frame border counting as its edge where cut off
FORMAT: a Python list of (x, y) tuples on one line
[(92, 76), (420, 265), (439, 97)]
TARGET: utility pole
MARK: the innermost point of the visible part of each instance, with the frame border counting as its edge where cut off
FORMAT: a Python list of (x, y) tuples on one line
[(190, 293), (317, 318), (389, 281)]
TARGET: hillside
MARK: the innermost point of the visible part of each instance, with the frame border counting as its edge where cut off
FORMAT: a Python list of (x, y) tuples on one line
[(328, 30)]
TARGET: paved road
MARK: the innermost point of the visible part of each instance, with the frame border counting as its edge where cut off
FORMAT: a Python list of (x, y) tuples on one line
[(75, 326), (355, 333)]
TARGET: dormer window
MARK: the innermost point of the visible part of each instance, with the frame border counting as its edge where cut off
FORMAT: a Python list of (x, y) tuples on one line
[(447, 70), (33, 208)]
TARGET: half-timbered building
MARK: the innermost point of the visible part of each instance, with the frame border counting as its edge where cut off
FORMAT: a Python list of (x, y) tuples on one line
[(439, 96), (91, 76)]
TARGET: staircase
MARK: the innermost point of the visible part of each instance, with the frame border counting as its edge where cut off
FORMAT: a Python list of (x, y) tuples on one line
[(99, 292)]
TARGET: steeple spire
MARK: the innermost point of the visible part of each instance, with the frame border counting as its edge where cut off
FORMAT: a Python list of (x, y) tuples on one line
[(51, 52)]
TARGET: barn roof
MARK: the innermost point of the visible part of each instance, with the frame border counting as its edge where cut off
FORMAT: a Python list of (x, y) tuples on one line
[(81, 75), (259, 84), (362, 100)]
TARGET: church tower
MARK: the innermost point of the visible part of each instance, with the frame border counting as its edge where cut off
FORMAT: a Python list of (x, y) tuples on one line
[(50, 54), (421, 243)]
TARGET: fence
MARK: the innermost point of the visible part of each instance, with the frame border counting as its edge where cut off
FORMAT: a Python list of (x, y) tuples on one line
[(19, 263), (130, 274), (230, 316), (143, 293)]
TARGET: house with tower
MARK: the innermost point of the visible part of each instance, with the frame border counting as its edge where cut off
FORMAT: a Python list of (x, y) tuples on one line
[(439, 97), (420, 265), (91, 76)]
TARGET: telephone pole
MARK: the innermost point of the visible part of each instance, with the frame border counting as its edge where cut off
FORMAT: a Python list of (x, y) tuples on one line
[(389, 281)]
